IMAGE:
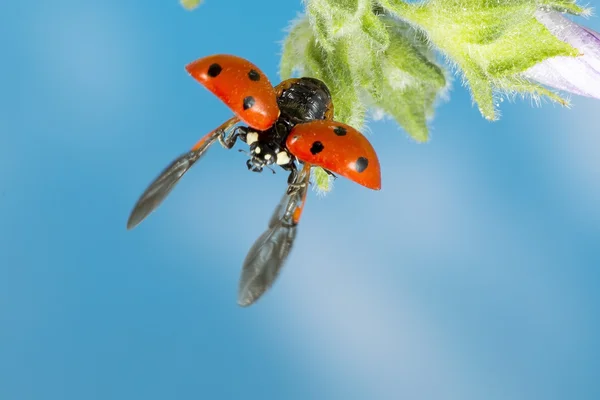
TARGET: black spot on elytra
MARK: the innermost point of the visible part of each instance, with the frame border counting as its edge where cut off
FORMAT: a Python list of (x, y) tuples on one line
[(254, 75), (248, 102), (214, 70), (339, 130), (361, 164), (316, 148)]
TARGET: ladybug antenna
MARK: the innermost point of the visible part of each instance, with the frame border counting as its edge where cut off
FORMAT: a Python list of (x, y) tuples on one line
[(249, 155)]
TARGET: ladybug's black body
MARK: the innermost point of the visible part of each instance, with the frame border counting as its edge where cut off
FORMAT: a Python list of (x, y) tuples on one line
[(301, 100)]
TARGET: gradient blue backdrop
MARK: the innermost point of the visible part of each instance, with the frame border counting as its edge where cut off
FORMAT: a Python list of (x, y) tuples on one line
[(473, 273)]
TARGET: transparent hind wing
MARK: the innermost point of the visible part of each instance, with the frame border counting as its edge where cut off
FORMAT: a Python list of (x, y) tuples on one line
[(263, 263), (160, 188), (270, 251)]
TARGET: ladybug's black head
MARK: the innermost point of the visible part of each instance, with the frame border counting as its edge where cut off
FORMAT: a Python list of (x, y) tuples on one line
[(261, 155)]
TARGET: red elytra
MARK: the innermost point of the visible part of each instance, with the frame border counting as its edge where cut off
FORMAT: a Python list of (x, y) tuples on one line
[(241, 85), (338, 148)]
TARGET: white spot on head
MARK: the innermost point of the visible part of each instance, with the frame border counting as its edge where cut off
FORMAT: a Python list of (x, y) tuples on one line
[(257, 150), (251, 137), (283, 158), (267, 156)]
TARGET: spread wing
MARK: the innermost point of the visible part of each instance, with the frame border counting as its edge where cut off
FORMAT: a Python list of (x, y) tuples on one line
[(160, 188), (270, 251)]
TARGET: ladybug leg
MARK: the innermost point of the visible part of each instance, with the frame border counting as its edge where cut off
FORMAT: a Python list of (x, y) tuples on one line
[(218, 133), (330, 173), (304, 181), (293, 172), (292, 176), (295, 183), (228, 141), (295, 187)]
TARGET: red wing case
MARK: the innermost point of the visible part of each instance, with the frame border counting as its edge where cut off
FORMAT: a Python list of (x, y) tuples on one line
[(243, 87), (338, 148)]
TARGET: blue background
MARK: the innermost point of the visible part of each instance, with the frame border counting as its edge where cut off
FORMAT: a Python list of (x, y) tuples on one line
[(473, 273)]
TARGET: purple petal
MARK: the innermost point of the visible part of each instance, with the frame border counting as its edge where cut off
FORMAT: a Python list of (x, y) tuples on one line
[(579, 75)]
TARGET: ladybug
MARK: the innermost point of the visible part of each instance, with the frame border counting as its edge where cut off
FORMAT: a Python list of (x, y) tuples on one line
[(289, 125)]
